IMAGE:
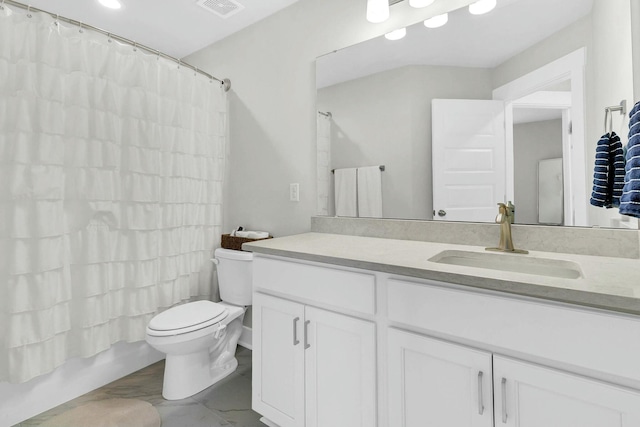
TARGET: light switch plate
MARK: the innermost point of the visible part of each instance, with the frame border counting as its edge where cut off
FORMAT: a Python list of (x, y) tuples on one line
[(294, 192)]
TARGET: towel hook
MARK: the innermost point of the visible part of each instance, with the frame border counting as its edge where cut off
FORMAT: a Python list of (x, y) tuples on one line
[(622, 108)]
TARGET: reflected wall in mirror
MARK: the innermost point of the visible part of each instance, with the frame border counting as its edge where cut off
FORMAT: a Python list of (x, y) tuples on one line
[(546, 63)]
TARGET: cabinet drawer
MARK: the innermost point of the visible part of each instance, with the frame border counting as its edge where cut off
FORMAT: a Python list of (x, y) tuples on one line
[(593, 340), (348, 290)]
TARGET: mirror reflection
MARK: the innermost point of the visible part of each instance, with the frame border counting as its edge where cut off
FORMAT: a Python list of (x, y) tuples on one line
[(502, 107)]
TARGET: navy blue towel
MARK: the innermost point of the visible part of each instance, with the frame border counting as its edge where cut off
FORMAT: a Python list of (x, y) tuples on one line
[(630, 200), (608, 174)]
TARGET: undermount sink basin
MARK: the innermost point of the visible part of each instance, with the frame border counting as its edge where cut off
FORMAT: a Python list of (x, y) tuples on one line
[(511, 262)]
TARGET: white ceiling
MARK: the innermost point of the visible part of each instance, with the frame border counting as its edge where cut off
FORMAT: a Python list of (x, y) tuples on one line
[(175, 27), (483, 41), (529, 115)]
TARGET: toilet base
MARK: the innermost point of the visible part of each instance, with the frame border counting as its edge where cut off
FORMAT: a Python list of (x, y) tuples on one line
[(188, 374)]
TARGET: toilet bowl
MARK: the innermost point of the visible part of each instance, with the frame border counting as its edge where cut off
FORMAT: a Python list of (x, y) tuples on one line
[(200, 338)]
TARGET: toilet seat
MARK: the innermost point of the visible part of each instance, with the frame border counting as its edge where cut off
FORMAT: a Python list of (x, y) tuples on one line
[(186, 318)]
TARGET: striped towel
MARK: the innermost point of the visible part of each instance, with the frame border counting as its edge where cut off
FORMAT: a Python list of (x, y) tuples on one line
[(608, 175), (630, 201)]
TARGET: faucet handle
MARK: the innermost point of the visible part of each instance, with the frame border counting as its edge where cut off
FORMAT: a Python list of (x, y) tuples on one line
[(503, 213)]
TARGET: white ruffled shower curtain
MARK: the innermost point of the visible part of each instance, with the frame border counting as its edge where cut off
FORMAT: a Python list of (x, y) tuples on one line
[(323, 162), (111, 168)]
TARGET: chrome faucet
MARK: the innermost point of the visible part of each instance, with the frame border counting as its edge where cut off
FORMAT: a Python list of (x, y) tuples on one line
[(504, 218)]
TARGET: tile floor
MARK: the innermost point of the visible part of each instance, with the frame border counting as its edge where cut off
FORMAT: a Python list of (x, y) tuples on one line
[(227, 403)]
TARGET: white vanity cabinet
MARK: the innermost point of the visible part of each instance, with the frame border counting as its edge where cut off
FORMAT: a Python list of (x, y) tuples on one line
[(278, 360), (530, 395), (424, 371), (312, 367), (340, 347), (436, 383)]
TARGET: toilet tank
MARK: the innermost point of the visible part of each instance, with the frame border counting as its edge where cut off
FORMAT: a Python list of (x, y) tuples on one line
[(235, 276)]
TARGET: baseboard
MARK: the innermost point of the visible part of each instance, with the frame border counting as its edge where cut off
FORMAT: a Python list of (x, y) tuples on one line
[(246, 338), (19, 402), (266, 422)]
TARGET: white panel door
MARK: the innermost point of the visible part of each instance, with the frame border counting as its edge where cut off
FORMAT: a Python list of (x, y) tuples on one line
[(340, 370), (528, 395), (436, 383), (468, 159), (278, 360)]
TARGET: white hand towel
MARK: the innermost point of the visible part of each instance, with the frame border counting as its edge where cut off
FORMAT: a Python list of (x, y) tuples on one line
[(345, 194), (370, 192)]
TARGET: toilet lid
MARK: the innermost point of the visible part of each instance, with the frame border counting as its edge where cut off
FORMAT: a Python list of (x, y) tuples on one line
[(194, 314)]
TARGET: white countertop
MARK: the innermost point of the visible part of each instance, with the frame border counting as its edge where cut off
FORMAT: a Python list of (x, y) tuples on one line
[(606, 283)]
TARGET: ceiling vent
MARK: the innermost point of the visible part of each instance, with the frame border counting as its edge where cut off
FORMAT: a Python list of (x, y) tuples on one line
[(222, 8)]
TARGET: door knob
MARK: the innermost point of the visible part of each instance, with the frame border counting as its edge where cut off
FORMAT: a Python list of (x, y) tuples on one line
[(442, 213)]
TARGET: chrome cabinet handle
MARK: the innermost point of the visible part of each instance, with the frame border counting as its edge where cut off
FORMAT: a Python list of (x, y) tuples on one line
[(480, 399), (306, 334), (504, 400), (295, 331)]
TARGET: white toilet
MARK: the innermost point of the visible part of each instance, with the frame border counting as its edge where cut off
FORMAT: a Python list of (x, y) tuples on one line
[(200, 338)]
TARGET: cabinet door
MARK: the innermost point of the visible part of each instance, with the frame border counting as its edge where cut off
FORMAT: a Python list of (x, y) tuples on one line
[(436, 383), (340, 370), (532, 396), (278, 360)]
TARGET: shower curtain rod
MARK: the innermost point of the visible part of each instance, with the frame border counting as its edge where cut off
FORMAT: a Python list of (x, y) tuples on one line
[(226, 83)]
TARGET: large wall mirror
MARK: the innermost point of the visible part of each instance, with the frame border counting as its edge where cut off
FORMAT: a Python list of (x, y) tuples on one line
[(502, 107)]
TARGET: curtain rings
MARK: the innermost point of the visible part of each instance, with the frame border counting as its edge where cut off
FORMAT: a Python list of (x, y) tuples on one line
[(135, 46), (179, 63), (109, 37), (195, 72), (57, 21), (81, 30), (29, 15)]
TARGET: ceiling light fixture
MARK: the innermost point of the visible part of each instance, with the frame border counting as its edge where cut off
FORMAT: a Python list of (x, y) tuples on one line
[(420, 3), (111, 4), (437, 21), (396, 34), (482, 6), (377, 10)]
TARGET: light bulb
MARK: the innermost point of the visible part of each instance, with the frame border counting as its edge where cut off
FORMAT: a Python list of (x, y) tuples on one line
[(420, 3), (396, 34), (482, 6), (111, 4), (437, 21), (377, 10)]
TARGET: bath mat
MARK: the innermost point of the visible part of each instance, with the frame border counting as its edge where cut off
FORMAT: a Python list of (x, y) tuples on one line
[(108, 413)]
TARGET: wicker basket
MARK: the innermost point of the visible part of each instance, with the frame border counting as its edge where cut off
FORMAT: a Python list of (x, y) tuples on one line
[(232, 242)]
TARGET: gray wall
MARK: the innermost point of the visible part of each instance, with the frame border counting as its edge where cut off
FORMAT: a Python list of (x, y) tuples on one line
[(272, 105), (533, 142), (385, 119)]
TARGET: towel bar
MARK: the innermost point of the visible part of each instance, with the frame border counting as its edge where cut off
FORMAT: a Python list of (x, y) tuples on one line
[(608, 114), (382, 168)]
